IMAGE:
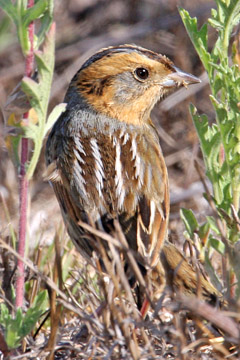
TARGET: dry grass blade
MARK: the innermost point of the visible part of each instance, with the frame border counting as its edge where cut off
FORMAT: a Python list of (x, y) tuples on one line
[(36, 282), (55, 308), (131, 258), (215, 316)]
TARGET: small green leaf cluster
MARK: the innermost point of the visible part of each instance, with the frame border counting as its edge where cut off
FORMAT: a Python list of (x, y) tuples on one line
[(220, 142), (17, 328), (23, 16)]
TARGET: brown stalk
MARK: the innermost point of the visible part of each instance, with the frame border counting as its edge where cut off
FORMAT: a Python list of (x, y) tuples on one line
[(36, 281), (55, 310), (215, 316)]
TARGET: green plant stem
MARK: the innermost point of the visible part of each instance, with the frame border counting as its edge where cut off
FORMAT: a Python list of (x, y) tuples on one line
[(228, 28), (29, 64)]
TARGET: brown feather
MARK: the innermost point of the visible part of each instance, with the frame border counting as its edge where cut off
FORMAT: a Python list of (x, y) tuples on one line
[(103, 154)]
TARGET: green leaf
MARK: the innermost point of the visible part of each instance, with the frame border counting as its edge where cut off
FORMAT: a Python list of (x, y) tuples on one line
[(211, 271), (34, 12), (218, 245), (203, 231), (10, 10), (31, 131), (4, 313), (212, 223), (46, 22), (23, 16), (34, 312), (215, 24), (189, 220), (210, 140), (229, 16), (209, 136), (11, 327), (56, 112), (191, 27), (16, 328), (32, 90), (199, 38), (220, 141)]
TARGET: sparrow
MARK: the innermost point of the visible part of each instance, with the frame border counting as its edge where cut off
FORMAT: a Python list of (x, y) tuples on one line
[(103, 154)]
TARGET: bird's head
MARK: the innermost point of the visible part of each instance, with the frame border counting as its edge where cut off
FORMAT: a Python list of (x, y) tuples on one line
[(126, 81)]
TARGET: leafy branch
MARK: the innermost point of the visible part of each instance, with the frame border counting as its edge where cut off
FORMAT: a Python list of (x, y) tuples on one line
[(220, 141), (223, 169)]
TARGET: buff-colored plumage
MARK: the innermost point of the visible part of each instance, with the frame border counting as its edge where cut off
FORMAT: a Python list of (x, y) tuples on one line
[(103, 154)]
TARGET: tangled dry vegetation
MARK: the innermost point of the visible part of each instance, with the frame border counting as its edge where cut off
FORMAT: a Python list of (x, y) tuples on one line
[(86, 321)]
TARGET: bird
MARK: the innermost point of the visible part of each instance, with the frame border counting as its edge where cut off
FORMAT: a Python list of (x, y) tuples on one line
[(104, 158)]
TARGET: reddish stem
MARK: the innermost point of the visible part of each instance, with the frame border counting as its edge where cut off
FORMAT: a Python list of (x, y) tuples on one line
[(23, 197), (221, 155)]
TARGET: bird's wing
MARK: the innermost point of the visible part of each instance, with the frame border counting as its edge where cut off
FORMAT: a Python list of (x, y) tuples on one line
[(142, 191)]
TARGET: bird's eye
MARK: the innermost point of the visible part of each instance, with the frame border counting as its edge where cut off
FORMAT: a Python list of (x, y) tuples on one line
[(142, 73)]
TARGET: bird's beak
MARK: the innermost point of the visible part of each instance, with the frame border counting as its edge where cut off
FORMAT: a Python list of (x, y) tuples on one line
[(180, 78)]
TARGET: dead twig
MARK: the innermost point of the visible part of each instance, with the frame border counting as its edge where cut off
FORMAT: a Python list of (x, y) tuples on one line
[(208, 312)]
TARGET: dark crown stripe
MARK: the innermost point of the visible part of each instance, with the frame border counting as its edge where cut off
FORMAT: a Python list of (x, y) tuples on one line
[(127, 49)]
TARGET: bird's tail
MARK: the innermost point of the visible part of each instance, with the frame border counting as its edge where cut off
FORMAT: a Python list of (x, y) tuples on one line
[(182, 277)]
